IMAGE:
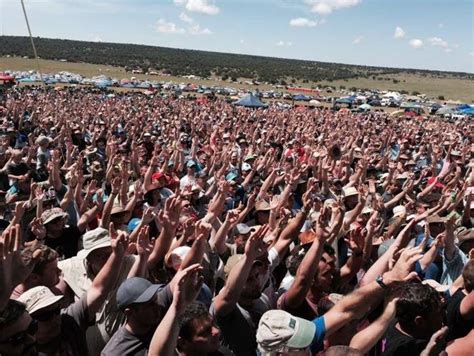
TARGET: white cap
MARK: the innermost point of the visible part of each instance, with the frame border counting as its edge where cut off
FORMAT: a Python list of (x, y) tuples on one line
[(278, 329), (399, 210)]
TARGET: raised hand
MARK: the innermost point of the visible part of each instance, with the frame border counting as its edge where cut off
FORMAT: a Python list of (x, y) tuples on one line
[(403, 268), (188, 286), (12, 269), (38, 229), (355, 240), (255, 245), (119, 241), (232, 216), (144, 244), (116, 185)]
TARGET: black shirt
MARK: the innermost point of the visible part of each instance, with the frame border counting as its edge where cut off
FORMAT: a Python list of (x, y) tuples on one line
[(458, 326), (396, 343)]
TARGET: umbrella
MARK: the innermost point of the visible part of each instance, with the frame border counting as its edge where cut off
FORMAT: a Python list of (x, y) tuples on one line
[(314, 102)]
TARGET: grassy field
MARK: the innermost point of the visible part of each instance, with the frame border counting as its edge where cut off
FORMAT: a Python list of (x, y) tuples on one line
[(450, 88)]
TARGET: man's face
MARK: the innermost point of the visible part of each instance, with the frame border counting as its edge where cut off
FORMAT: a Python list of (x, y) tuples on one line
[(19, 338), (205, 337), (254, 284), (147, 314), (49, 277), (97, 258), (49, 323), (326, 270), (56, 225), (240, 240)]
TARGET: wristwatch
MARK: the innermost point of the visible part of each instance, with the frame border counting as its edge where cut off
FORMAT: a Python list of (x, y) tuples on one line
[(380, 282)]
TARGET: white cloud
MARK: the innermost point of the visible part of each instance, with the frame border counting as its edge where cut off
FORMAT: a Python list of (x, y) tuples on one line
[(399, 33), (302, 22), (282, 43), (325, 7), (200, 6), (416, 43), (438, 42), (168, 27), (197, 30), (242, 41), (185, 18), (358, 40), (471, 54), (440, 25), (448, 50)]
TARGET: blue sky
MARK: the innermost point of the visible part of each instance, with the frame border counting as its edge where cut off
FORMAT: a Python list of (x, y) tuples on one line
[(427, 34)]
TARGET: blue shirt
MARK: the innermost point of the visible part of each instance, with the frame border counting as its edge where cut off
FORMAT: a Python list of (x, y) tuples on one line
[(319, 335)]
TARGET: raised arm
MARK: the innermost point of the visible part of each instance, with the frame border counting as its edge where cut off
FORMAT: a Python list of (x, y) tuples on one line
[(308, 267), (165, 338), (107, 276), (366, 339), (228, 297)]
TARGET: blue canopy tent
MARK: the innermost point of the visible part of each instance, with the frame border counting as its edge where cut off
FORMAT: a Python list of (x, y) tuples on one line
[(301, 97), (250, 101), (467, 111)]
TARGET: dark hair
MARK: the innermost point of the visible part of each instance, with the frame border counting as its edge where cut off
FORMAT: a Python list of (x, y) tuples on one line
[(416, 299), (296, 256), (47, 255), (194, 311), (12, 312), (468, 276), (342, 350)]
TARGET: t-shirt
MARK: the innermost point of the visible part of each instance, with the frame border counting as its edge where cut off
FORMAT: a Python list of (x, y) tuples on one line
[(458, 326), (72, 339), (397, 343), (125, 343), (108, 319), (239, 327)]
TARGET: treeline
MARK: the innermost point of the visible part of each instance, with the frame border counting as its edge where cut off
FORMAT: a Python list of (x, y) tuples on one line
[(201, 63)]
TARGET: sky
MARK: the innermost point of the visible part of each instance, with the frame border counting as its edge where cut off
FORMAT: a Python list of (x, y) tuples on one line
[(423, 34)]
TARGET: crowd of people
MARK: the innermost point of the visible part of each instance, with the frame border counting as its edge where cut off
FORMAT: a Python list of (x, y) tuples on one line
[(143, 225)]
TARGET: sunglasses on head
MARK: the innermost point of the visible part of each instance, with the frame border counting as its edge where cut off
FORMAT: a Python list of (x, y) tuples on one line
[(19, 337), (47, 315)]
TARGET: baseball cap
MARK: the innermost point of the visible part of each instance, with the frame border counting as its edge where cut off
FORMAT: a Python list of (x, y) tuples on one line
[(135, 290), (177, 256), (38, 298), (278, 329), (246, 167), (93, 240), (242, 229), (51, 214), (191, 164)]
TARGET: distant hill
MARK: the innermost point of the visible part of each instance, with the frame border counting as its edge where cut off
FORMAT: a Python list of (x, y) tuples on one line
[(201, 63)]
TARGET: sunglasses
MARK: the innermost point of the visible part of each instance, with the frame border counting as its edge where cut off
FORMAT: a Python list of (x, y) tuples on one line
[(47, 315), (19, 337)]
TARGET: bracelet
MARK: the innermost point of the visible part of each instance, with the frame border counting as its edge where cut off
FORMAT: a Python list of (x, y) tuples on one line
[(380, 282)]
